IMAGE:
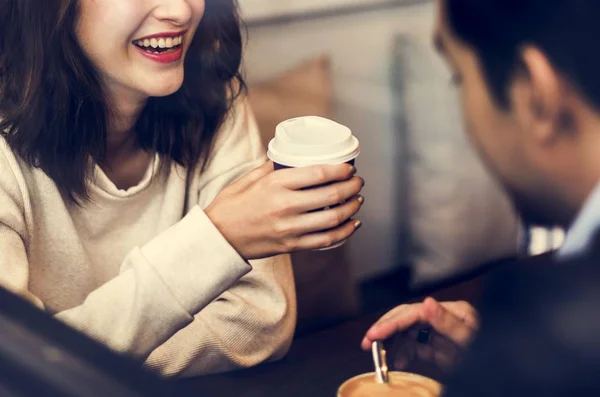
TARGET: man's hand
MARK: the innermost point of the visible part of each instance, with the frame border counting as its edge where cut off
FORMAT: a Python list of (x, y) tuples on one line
[(452, 324)]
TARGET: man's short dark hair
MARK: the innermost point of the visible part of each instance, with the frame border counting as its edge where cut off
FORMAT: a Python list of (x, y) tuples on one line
[(567, 31)]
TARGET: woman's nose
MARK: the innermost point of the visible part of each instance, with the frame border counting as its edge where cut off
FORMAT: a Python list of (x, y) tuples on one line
[(177, 12)]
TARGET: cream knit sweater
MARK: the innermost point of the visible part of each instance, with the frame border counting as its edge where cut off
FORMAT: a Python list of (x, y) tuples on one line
[(144, 270)]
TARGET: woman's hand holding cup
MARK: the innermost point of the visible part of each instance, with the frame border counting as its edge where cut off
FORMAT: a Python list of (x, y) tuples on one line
[(303, 200), (266, 213)]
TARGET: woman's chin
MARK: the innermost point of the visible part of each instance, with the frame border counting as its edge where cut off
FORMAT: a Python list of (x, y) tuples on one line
[(163, 90), (161, 85)]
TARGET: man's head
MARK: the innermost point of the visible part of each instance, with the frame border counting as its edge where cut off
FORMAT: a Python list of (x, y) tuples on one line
[(529, 75)]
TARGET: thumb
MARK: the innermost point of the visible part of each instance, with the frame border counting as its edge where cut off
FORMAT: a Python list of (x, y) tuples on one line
[(446, 323), (253, 176)]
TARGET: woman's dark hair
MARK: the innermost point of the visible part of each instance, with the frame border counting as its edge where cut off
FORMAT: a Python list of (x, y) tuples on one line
[(567, 31), (54, 113)]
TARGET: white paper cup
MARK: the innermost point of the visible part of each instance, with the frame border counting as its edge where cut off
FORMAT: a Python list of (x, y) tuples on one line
[(401, 384), (312, 140)]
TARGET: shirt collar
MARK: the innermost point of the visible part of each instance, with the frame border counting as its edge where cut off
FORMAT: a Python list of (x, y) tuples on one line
[(581, 233)]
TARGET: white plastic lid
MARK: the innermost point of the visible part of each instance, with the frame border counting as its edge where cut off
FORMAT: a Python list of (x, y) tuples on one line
[(311, 140)]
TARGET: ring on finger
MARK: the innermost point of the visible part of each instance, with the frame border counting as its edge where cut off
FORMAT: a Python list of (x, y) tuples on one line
[(424, 336)]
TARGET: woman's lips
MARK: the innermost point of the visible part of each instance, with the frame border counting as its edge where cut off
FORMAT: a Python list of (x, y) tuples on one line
[(162, 47), (169, 56)]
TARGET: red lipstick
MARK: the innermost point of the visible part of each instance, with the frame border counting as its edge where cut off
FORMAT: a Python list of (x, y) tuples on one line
[(161, 55)]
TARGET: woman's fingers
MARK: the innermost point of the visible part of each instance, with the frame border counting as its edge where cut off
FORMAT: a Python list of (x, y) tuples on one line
[(326, 239), (316, 175), (252, 177), (327, 196), (324, 220), (259, 216)]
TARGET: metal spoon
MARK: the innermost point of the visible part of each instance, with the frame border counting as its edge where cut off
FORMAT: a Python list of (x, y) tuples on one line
[(379, 359)]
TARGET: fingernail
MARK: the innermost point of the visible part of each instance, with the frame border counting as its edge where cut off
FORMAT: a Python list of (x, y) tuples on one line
[(357, 224), (361, 199), (353, 170)]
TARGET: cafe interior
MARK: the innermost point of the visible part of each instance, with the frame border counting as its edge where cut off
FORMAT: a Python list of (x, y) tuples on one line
[(435, 222)]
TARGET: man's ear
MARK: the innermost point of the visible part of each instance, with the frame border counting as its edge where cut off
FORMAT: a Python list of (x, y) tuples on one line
[(536, 97)]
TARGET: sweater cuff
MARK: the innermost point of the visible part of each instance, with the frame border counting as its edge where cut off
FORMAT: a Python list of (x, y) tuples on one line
[(195, 261)]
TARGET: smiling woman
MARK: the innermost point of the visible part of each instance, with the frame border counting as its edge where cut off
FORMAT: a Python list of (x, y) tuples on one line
[(78, 57), (125, 208)]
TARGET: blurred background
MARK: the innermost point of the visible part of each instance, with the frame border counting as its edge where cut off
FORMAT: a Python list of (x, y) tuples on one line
[(432, 212)]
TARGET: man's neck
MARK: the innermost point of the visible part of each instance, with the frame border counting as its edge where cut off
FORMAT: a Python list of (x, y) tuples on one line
[(576, 161)]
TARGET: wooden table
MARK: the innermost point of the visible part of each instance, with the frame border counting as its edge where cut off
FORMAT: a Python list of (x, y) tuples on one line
[(319, 363), (316, 366)]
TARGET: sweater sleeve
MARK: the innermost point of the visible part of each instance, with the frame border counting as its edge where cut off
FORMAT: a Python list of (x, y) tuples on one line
[(254, 320), (181, 302), (160, 289), (155, 295)]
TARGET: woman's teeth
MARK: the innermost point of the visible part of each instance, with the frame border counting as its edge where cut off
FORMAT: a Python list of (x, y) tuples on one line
[(160, 43)]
